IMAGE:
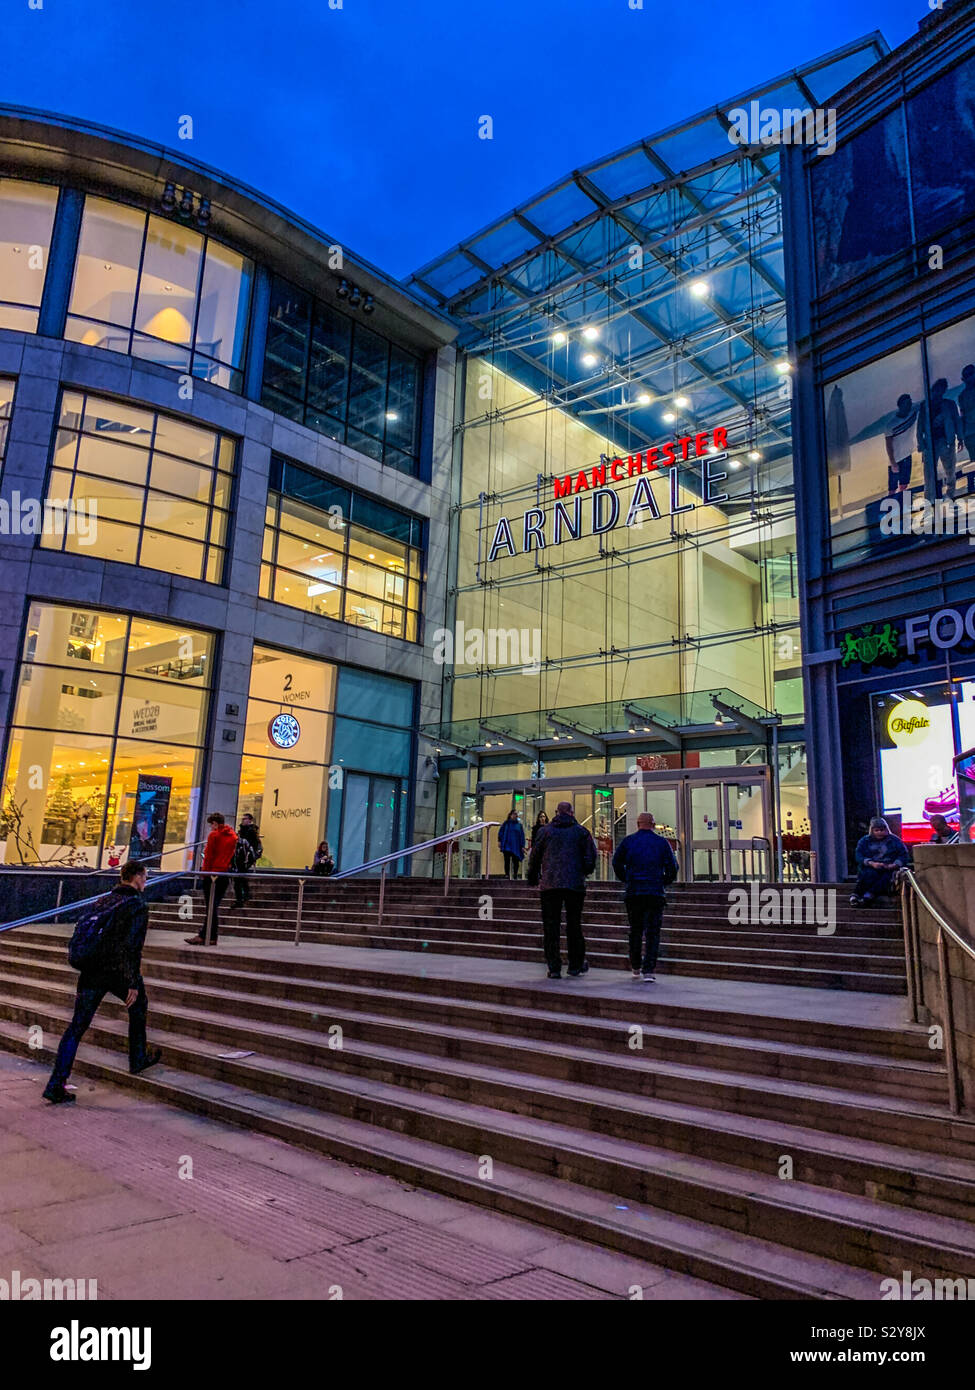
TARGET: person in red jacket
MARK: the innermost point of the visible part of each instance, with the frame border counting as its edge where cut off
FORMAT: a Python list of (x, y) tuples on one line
[(218, 855)]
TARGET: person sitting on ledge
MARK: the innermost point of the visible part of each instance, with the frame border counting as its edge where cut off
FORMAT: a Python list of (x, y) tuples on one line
[(879, 856)]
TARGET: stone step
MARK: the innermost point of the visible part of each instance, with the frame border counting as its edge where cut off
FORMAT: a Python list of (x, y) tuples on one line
[(851, 978), (694, 1056), (858, 1230), (746, 1263)]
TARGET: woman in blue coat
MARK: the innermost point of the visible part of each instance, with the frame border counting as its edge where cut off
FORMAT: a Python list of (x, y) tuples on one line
[(511, 842)]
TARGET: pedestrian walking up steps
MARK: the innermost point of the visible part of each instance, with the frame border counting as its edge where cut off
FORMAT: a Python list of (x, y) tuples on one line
[(775, 1156), (865, 951)]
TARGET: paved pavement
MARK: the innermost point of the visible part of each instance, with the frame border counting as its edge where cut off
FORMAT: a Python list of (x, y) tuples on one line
[(154, 1203)]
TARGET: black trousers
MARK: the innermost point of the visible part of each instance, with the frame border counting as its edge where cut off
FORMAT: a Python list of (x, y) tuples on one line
[(242, 892), (91, 991), (875, 882), (512, 864), (645, 912), (553, 900), (219, 886)]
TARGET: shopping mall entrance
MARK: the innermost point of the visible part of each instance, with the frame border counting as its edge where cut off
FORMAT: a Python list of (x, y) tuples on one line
[(717, 819)]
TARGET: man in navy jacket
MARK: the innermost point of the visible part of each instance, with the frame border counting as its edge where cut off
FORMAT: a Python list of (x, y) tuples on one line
[(646, 864), (562, 858)]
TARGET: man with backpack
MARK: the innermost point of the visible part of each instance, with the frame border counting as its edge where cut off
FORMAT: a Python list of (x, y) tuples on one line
[(106, 950), (218, 857), (248, 852)]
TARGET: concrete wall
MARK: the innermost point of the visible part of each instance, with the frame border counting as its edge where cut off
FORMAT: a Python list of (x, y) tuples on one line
[(946, 874)]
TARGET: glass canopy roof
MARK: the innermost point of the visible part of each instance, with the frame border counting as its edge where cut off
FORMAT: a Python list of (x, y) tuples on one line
[(652, 275), (680, 714)]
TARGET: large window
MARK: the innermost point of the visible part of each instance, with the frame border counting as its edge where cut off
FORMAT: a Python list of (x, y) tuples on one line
[(6, 406), (106, 747), (332, 551), (26, 219), (148, 286), (339, 377), (151, 490), (900, 446), (327, 753)]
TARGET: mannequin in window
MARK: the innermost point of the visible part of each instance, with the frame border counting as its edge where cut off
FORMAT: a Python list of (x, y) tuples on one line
[(938, 433), (900, 445), (966, 407)]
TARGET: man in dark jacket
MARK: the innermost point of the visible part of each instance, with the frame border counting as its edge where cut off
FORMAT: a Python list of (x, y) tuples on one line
[(118, 971), (563, 854), (879, 855), (646, 864), (248, 852)]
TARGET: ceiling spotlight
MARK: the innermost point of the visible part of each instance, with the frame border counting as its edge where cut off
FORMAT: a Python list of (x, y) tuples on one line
[(168, 200), (391, 415), (734, 463), (718, 719), (644, 398), (590, 332), (186, 204), (700, 289), (681, 402), (343, 289), (669, 417), (589, 359), (558, 339), (355, 298), (368, 304), (754, 455), (783, 368), (203, 213)]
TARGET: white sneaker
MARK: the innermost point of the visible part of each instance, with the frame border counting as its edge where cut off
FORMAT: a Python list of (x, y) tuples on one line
[(649, 979), (636, 974)]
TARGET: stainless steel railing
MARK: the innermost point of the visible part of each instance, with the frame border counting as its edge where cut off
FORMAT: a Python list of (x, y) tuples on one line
[(911, 894)]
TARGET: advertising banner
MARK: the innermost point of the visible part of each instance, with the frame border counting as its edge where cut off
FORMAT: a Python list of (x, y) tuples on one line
[(149, 818)]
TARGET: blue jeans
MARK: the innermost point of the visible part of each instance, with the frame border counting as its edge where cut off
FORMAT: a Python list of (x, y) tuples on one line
[(91, 992)]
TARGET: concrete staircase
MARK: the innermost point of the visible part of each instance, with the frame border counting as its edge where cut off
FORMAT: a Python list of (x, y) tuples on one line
[(866, 951), (779, 1142)]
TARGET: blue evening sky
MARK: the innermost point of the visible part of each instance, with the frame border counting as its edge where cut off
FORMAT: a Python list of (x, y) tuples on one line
[(364, 119)]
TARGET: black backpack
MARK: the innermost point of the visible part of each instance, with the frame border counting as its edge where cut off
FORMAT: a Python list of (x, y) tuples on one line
[(89, 945), (244, 857)]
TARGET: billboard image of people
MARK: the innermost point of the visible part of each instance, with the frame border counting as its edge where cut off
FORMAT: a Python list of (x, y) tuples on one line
[(149, 818)]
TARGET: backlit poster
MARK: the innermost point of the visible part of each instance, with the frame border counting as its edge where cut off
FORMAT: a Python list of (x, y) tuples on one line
[(149, 818)]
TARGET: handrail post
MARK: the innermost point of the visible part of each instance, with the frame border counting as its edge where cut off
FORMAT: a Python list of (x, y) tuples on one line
[(954, 1099), (382, 896), (446, 871), (301, 903), (211, 897), (57, 915), (907, 907), (484, 851)]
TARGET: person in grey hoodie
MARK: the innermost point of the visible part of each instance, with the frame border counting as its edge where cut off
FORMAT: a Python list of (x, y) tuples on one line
[(563, 855)]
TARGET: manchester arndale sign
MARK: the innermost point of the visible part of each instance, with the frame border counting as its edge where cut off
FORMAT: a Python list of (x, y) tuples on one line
[(537, 528)]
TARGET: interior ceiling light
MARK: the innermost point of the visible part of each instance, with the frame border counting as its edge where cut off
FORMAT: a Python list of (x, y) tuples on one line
[(669, 416), (734, 463), (700, 289), (644, 398), (589, 332), (558, 339), (754, 455), (589, 359), (783, 368), (681, 402)]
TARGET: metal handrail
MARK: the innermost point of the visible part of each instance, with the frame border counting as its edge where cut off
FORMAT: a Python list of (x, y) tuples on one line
[(382, 863), (915, 983), (438, 840)]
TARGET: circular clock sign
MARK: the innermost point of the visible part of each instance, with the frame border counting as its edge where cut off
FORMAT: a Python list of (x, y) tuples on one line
[(284, 730)]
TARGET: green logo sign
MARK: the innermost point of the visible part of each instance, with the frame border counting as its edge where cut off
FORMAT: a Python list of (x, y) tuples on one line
[(869, 645)]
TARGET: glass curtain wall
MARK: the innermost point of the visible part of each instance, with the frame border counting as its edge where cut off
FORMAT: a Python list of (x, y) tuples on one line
[(148, 286), (26, 220), (336, 376), (105, 705), (335, 552), (690, 596), (6, 406), (140, 488), (327, 754)]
